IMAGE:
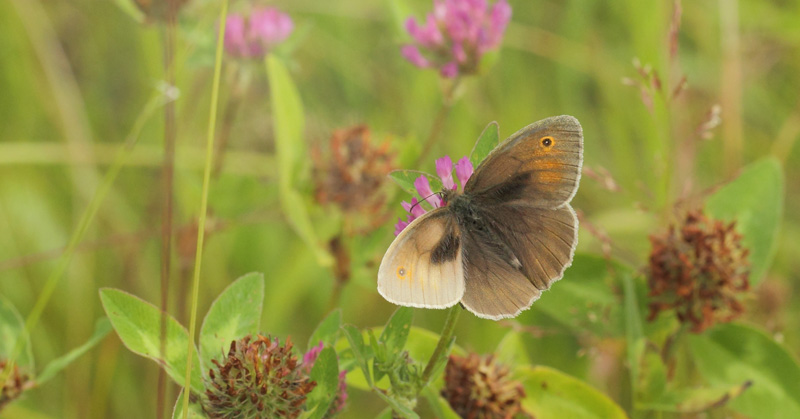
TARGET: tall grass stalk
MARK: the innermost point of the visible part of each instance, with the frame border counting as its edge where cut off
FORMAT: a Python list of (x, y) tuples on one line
[(201, 223), (167, 203)]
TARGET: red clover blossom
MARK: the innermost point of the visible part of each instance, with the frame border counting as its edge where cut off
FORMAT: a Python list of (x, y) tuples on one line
[(253, 36), (444, 168), (456, 35)]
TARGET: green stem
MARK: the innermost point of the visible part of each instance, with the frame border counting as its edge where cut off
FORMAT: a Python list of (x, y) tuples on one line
[(201, 223), (444, 341), (438, 121), (168, 176)]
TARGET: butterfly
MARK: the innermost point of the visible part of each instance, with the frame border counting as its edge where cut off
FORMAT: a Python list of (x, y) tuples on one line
[(512, 232)]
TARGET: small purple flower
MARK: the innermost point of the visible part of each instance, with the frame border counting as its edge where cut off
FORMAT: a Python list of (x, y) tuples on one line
[(254, 36), (456, 35), (444, 168), (464, 170), (425, 192), (312, 354)]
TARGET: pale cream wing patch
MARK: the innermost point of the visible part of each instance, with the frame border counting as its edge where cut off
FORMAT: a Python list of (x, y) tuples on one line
[(422, 267)]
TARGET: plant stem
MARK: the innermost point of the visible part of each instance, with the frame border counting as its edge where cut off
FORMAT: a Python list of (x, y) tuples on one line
[(201, 223), (228, 119), (444, 341), (167, 177), (439, 119)]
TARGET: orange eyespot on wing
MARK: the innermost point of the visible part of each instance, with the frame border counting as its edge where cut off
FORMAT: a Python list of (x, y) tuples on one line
[(539, 165), (422, 267)]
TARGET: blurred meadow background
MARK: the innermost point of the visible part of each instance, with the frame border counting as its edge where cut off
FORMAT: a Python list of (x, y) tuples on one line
[(676, 100)]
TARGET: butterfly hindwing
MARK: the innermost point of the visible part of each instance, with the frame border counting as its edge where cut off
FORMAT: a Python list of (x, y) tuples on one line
[(423, 266), (495, 287), (521, 253), (540, 164)]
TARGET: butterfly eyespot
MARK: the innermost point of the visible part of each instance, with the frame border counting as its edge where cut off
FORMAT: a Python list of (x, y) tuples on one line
[(547, 141), (401, 272)]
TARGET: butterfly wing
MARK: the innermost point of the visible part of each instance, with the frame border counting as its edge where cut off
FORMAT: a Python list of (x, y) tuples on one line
[(528, 234), (540, 165), (423, 266), (519, 253)]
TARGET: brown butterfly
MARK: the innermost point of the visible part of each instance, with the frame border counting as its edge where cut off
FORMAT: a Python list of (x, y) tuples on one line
[(502, 242)]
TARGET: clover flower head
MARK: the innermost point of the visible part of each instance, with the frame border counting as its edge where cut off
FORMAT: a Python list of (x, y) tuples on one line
[(444, 168), (478, 387), (257, 378), (454, 37), (700, 269), (15, 384), (255, 35)]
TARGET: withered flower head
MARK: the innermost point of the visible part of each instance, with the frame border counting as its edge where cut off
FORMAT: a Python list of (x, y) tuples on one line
[(352, 172), (14, 385), (700, 269), (258, 379), (477, 387)]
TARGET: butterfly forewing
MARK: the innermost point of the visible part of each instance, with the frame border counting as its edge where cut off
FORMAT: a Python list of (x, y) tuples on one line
[(540, 165), (423, 266)]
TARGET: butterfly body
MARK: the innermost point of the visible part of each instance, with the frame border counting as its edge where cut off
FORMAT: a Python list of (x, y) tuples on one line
[(495, 247)]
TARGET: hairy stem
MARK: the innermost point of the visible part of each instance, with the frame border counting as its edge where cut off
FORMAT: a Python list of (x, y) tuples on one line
[(438, 121), (444, 341)]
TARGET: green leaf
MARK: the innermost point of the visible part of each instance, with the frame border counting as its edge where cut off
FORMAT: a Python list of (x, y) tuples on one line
[(730, 354), (441, 409), (11, 328), (101, 329), (289, 123), (405, 179), (489, 139), (327, 331), (395, 333), (511, 349), (550, 393), (588, 290), (137, 323), (380, 356), (696, 400), (652, 381), (359, 349), (755, 201), (399, 408), (235, 314), (385, 414), (326, 374), (195, 410), (633, 329), (130, 9)]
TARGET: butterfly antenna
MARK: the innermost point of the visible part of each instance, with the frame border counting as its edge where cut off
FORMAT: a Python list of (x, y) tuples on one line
[(425, 199)]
